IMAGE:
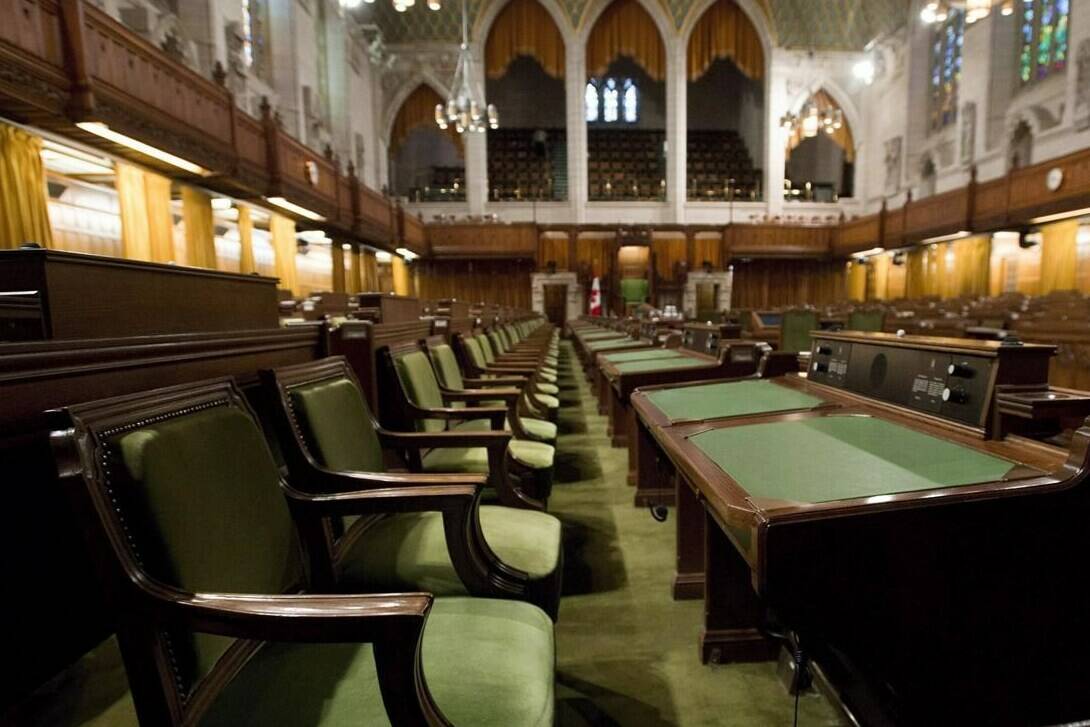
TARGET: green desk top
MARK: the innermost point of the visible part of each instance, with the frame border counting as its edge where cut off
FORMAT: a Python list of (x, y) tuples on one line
[(651, 354), (599, 335), (595, 345), (842, 457), (729, 399), (667, 364)]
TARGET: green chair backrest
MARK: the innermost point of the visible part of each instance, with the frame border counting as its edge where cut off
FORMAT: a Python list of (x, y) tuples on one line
[(795, 330), (473, 348), (421, 387), (634, 290), (505, 337), (495, 342), (207, 514), (337, 424), (486, 349), (866, 320), (446, 366), (514, 333)]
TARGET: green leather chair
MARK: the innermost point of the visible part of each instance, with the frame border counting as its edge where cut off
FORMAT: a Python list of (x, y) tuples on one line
[(519, 419), (424, 407), (215, 569), (480, 361), (323, 424), (795, 330), (867, 319), (634, 290)]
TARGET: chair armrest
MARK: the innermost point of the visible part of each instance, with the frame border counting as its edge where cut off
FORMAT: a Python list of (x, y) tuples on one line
[(394, 623), (506, 395), (479, 568), (494, 414), (431, 440), (499, 381)]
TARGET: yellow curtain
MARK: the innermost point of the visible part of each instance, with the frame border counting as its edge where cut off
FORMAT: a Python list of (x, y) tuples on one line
[(416, 111), (160, 217), (336, 256), (879, 289), (842, 137), (133, 203), (857, 281), (972, 260), (246, 263), (24, 208), (1059, 256), (625, 29), (402, 279), (524, 28), (200, 243), (355, 271), (724, 31), (282, 230)]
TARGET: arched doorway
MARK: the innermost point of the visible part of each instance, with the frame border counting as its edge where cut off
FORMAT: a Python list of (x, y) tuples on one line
[(725, 60), (524, 77), (625, 105), (426, 163), (820, 155)]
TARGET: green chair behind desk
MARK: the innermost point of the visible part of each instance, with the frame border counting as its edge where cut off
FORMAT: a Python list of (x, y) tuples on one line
[(634, 290), (870, 319), (323, 423), (218, 574), (795, 330)]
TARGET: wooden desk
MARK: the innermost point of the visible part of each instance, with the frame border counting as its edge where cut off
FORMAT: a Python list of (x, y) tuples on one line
[(622, 377), (922, 561)]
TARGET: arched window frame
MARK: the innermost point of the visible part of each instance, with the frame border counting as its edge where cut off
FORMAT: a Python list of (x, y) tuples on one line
[(1043, 38), (611, 101), (945, 69), (630, 101)]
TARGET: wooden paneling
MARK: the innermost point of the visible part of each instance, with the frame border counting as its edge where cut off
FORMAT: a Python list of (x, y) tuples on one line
[(1029, 194), (940, 214), (553, 249), (776, 283), (414, 234), (893, 228), (505, 282), (709, 249), (483, 241), (593, 256), (669, 251), (990, 204), (778, 241), (857, 235), (293, 165)]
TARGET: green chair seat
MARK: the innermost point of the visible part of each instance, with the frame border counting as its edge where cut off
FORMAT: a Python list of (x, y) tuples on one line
[(534, 455), (487, 663), (408, 552), (547, 400), (536, 428), (550, 389)]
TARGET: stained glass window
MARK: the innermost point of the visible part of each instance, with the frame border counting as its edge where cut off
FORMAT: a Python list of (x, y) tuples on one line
[(1042, 34), (631, 101), (610, 101), (590, 100), (255, 48), (946, 69), (247, 34)]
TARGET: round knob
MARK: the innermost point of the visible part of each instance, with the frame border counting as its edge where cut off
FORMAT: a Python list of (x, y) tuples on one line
[(821, 367), (954, 396), (960, 370), (824, 350)]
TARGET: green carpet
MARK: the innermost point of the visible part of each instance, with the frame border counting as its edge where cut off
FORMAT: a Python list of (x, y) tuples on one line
[(626, 652)]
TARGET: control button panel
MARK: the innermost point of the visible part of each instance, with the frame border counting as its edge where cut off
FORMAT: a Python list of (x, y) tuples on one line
[(952, 386)]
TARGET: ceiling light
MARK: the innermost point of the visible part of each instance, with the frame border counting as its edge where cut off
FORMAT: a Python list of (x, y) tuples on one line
[(864, 71), (284, 204), (466, 108), (66, 160), (946, 238), (1061, 216), (873, 251), (102, 130), (312, 236), (350, 4), (406, 253), (222, 203), (382, 256)]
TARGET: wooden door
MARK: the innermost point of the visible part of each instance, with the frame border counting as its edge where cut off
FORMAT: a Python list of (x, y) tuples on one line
[(556, 303)]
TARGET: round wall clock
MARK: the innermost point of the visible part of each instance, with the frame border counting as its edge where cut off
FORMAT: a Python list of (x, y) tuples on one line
[(1054, 179)]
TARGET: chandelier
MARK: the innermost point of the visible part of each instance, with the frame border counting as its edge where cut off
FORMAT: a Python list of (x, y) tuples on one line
[(465, 109), (811, 119), (399, 5), (937, 11)]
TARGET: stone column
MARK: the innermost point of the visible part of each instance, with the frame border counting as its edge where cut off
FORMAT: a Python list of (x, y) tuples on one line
[(575, 83), (676, 123)]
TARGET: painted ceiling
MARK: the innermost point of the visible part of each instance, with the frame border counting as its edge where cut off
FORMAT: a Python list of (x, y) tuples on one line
[(799, 24)]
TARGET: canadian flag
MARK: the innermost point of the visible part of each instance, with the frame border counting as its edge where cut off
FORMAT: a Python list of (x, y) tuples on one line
[(596, 298)]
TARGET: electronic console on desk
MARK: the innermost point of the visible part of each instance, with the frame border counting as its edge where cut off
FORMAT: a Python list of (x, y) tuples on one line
[(951, 378)]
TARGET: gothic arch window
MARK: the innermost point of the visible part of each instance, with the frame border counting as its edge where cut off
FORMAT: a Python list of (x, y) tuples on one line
[(946, 43), (1042, 38), (255, 49), (610, 101)]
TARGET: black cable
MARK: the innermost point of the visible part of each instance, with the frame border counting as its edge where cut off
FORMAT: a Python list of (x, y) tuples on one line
[(800, 665), (659, 512)]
